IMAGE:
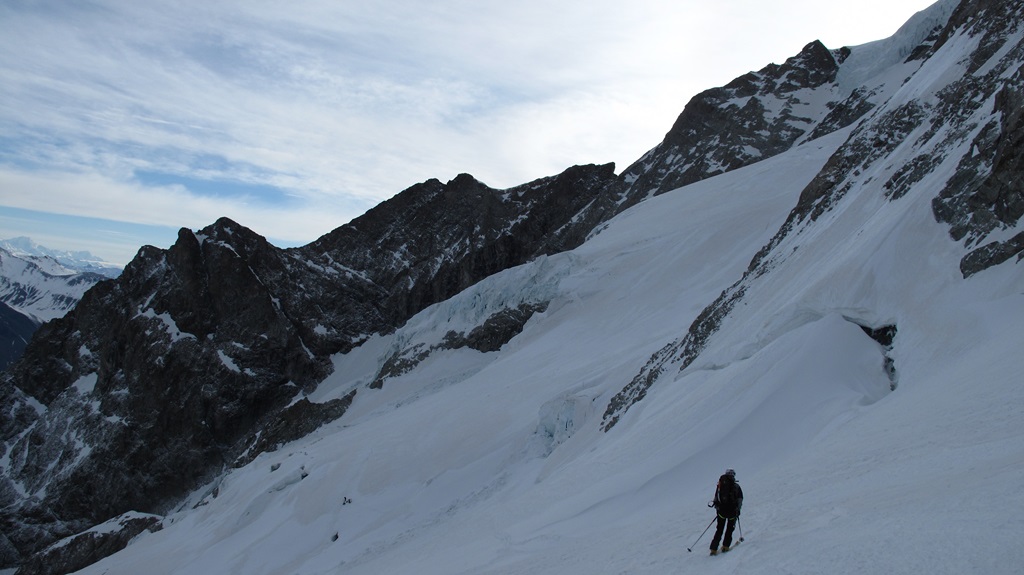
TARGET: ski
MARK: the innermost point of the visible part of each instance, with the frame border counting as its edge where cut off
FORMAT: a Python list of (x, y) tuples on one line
[(733, 546), (724, 550)]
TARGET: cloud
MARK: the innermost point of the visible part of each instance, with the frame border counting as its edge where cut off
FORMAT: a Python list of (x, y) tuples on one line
[(93, 195), (324, 108)]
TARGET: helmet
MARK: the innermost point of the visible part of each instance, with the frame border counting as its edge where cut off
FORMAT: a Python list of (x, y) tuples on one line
[(730, 472)]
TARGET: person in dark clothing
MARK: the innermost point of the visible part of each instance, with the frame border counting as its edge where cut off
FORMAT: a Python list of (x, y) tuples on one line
[(728, 501)]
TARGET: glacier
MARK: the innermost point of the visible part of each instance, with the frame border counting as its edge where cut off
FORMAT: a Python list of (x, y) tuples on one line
[(489, 463)]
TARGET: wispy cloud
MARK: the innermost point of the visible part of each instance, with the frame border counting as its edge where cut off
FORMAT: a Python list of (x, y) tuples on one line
[(325, 108), (95, 196)]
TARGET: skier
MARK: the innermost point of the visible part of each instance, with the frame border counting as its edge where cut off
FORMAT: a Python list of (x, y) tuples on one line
[(728, 501)]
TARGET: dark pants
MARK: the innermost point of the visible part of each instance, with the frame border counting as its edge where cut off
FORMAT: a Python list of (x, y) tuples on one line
[(728, 525)]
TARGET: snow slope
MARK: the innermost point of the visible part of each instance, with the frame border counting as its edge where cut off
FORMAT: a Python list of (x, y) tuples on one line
[(495, 463)]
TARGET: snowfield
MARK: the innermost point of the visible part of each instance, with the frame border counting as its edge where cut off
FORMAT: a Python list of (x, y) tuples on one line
[(494, 463)]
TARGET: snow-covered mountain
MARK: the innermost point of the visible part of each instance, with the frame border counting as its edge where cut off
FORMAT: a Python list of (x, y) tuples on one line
[(37, 287), (61, 260), (548, 380), (41, 288)]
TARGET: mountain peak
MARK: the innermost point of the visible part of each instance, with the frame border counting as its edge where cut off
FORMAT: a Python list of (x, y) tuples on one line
[(464, 180), (225, 229)]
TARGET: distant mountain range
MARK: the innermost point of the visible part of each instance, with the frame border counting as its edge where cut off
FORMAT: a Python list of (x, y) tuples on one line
[(38, 284), (71, 262)]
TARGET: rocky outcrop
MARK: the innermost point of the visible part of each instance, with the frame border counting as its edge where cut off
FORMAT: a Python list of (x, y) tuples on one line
[(143, 390), (86, 548), (754, 117), (885, 336), (985, 195), (293, 422), (496, 330), (992, 254), (987, 192)]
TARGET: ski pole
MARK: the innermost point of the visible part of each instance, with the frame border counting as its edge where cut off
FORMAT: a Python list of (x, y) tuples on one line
[(690, 548), (740, 525)]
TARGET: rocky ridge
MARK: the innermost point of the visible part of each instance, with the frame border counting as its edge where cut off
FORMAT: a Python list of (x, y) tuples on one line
[(969, 121)]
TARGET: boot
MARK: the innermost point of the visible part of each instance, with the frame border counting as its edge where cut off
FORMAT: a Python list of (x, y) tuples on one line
[(714, 551), (725, 549)]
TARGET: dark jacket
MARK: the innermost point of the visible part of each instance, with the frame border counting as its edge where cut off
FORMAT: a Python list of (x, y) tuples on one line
[(728, 497)]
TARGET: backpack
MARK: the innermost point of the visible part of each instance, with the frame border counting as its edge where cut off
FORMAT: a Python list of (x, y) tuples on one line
[(726, 498)]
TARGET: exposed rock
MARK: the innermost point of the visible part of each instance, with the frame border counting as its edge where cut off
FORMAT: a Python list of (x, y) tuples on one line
[(992, 254), (497, 330), (754, 117), (869, 143), (86, 548), (434, 240), (842, 114), (987, 192), (293, 422), (680, 353), (404, 362), (885, 336)]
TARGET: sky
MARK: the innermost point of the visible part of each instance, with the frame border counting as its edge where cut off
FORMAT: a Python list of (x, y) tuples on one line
[(124, 121)]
